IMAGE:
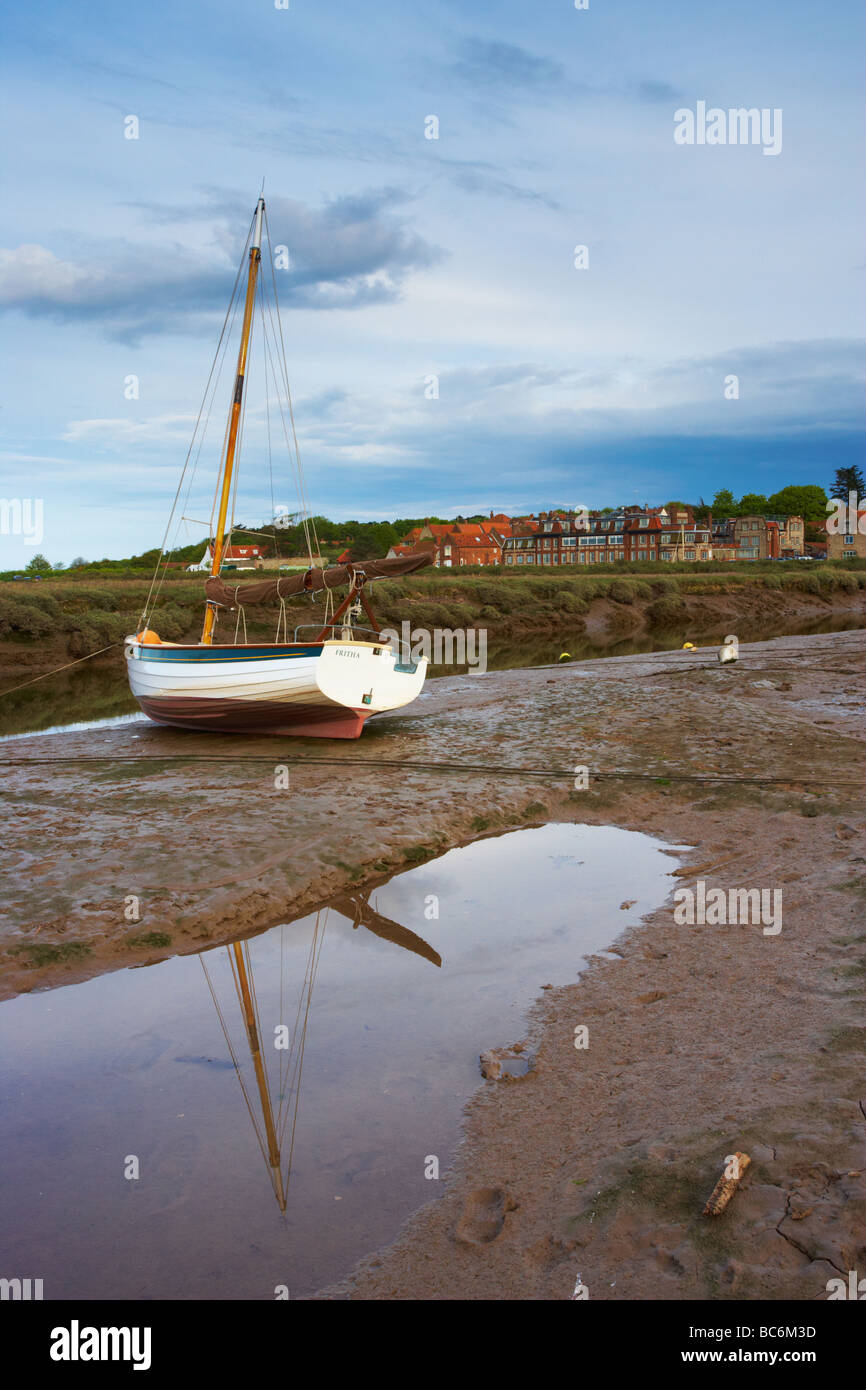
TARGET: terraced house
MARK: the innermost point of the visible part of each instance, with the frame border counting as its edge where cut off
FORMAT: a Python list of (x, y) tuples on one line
[(629, 533)]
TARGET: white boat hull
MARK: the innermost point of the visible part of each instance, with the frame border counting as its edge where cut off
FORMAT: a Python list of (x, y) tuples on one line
[(321, 689)]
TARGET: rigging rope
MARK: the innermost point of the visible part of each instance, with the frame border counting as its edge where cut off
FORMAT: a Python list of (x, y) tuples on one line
[(160, 558)]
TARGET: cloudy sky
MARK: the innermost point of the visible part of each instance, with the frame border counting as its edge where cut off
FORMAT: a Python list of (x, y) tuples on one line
[(413, 258)]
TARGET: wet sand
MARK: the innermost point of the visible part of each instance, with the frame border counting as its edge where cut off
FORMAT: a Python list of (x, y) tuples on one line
[(702, 1040)]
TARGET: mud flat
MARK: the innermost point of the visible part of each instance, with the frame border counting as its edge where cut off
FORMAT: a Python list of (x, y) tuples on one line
[(703, 1040)]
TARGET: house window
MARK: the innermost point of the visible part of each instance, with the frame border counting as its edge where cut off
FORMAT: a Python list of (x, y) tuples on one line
[(690, 554), (849, 540)]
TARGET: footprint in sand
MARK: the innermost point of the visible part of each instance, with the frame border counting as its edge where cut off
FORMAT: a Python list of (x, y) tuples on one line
[(484, 1215)]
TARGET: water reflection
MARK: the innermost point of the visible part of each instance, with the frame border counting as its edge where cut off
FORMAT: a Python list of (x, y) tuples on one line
[(290, 1043), (386, 1006)]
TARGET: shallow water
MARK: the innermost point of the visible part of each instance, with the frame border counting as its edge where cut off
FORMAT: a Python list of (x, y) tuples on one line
[(98, 696), (136, 1064)]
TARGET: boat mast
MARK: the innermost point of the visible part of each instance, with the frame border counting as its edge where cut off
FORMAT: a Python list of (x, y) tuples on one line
[(261, 1074), (235, 415)]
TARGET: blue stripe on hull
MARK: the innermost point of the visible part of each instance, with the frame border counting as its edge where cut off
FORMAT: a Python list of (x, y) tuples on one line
[(224, 654)]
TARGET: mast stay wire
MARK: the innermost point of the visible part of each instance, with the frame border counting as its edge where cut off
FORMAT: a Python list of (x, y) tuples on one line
[(160, 558), (307, 518)]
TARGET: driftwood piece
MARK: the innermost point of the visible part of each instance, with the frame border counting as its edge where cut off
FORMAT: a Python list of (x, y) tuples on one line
[(735, 1166)]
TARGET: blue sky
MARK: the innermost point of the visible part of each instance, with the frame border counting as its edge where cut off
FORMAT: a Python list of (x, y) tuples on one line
[(414, 257)]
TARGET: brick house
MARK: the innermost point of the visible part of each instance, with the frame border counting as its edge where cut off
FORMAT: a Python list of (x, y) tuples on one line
[(455, 544)]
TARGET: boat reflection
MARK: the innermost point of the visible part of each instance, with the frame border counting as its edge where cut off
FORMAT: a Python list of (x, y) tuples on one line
[(275, 1132)]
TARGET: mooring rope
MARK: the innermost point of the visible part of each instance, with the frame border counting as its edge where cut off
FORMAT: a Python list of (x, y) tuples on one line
[(65, 667), (472, 769)]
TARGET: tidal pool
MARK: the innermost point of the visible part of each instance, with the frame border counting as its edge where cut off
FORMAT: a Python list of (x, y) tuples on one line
[(384, 1000)]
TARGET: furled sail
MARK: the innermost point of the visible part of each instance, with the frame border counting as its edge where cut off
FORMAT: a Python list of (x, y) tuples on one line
[(313, 580)]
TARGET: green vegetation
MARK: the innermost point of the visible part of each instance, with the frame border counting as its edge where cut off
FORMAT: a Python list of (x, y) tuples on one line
[(150, 938), (416, 854), (38, 953), (78, 616), (807, 500)]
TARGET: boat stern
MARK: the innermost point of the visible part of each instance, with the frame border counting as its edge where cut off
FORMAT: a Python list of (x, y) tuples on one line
[(368, 676)]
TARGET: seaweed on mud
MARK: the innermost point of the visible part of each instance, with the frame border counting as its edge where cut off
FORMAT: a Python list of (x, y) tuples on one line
[(44, 953), (150, 938)]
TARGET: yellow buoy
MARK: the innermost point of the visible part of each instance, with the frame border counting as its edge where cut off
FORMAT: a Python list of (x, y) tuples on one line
[(150, 637), (565, 656), (689, 647)]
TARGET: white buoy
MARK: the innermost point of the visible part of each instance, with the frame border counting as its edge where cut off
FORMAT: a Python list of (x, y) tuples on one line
[(730, 650)]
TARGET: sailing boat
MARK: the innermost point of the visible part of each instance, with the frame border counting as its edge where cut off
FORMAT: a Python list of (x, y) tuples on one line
[(326, 687)]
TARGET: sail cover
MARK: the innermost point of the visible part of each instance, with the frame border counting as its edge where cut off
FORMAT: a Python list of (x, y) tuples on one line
[(313, 580)]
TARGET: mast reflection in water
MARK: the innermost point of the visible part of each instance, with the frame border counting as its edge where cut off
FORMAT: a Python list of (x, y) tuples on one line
[(289, 1041)]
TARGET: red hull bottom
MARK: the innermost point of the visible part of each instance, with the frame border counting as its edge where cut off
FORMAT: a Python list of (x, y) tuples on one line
[(257, 717)]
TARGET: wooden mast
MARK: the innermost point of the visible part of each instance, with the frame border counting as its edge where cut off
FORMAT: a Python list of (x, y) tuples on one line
[(235, 415), (261, 1075)]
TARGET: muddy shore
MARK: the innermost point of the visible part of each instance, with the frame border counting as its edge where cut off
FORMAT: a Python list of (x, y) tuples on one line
[(703, 1040)]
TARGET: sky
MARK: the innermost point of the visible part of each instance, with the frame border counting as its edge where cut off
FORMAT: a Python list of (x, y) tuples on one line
[(446, 353)]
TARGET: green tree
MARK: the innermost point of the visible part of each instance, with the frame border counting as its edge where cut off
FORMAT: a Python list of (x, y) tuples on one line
[(848, 480), (807, 500), (371, 540), (724, 504), (752, 503), (39, 565)]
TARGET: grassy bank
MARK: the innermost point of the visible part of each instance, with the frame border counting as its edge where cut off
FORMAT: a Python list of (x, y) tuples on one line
[(41, 624)]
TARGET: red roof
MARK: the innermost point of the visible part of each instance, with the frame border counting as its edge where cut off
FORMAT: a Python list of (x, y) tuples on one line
[(242, 552)]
